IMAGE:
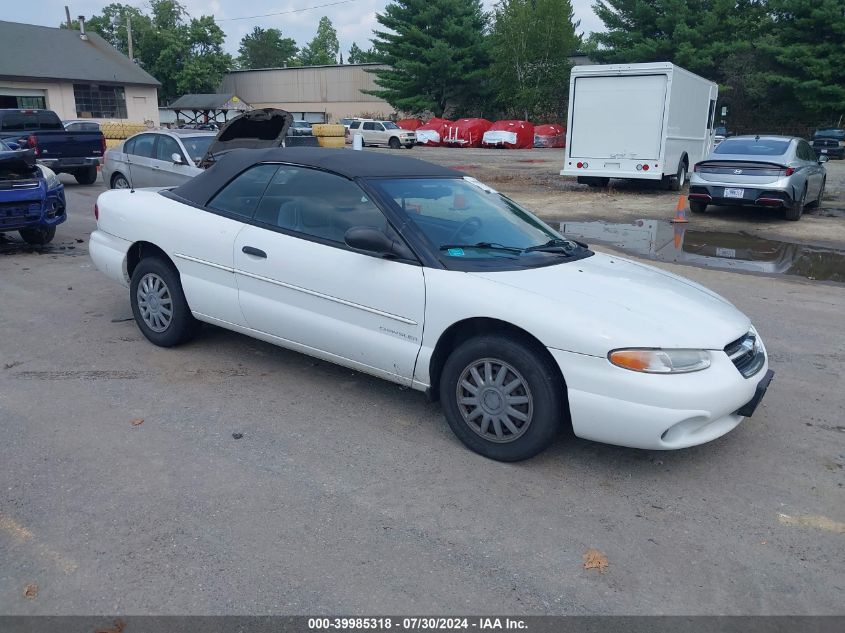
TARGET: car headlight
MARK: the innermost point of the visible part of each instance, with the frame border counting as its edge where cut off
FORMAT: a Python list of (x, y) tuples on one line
[(660, 361), (51, 177)]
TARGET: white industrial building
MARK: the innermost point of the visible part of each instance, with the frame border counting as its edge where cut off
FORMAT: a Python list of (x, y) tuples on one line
[(77, 76)]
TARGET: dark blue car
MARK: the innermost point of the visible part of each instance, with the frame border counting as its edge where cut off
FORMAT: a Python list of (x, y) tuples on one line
[(32, 198)]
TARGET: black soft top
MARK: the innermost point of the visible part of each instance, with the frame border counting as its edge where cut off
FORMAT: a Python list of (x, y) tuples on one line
[(348, 163)]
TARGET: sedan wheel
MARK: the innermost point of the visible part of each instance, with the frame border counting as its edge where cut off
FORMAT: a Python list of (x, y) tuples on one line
[(502, 396), (119, 181), (797, 209), (495, 400), (159, 305)]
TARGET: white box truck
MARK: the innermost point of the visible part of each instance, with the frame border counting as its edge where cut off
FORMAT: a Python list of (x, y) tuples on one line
[(637, 121)]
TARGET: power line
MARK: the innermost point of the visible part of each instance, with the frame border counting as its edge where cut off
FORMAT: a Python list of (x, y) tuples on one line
[(267, 15)]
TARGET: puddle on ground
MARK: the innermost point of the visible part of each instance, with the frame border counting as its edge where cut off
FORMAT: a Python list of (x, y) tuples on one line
[(664, 241), (15, 247)]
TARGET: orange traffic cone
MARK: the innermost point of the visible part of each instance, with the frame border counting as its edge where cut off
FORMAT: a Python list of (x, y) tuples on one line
[(680, 210)]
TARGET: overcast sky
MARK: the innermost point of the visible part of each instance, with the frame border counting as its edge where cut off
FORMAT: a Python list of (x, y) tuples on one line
[(354, 19)]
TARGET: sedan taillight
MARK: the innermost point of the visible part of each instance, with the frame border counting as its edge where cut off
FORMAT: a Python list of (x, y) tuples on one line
[(788, 171)]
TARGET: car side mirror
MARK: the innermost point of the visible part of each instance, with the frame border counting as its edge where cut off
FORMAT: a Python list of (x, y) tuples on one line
[(823, 159), (372, 240), (176, 158)]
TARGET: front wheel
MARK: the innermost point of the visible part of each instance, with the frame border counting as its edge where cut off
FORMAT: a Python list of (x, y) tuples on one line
[(394, 143), (815, 204), (159, 305), (86, 176), (38, 236), (501, 397)]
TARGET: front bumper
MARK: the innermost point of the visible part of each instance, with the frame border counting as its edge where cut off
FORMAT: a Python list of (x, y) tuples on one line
[(778, 194), (652, 411), (18, 210)]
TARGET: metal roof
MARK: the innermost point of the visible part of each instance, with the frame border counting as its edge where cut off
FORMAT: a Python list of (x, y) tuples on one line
[(42, 52), (209, 101)]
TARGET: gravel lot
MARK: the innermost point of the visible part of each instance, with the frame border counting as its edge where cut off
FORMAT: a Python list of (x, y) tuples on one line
[(347, 494)]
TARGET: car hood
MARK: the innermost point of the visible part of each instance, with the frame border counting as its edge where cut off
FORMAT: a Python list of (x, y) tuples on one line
[(255, 129), (615, 302)]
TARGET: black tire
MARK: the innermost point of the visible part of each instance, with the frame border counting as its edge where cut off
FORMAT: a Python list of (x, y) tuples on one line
[(677, 183), (38, 236), (815, 204), (795, 212), (118, 178), (394, 143), (697, 206), (86, 176), (182, 326), (538, 385)]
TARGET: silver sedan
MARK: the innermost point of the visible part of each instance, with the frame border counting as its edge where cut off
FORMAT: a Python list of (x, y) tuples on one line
[(764, 171), (158, 158)]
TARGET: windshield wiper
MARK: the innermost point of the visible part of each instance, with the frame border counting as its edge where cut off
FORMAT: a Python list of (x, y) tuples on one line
[(555, 245), (488, 245)]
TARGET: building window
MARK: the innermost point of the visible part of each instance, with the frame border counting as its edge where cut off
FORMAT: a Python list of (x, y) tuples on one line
[(99, 102)]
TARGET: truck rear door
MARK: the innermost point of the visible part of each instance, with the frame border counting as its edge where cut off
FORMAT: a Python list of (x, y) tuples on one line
[(618, 117)]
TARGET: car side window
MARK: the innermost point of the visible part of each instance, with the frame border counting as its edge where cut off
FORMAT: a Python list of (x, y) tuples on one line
[(317, 204), (241, 196), (379, 127), (809, 152), (129, 146), (166, 147), (369, 125), (143, 146), (354, 125)]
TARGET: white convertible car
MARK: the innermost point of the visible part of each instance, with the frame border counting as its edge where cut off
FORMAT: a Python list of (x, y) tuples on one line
[(417, 274)]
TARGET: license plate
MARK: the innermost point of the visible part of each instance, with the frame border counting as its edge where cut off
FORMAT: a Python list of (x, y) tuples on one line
[(734, 193), (824, 151)]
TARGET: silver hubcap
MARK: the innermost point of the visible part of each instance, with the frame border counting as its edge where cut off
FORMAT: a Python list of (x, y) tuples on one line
[(121, 183), (494, 400), (155, 303)]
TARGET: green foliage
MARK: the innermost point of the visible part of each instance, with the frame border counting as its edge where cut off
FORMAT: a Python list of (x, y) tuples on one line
[(360, 56), (780, 63), (531, 44), (185, 54), (266, 48), (324, 48), (437, 55)]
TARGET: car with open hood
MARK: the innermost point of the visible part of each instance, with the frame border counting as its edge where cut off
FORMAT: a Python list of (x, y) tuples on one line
[(420, 275), (32, 198), (168, 158)]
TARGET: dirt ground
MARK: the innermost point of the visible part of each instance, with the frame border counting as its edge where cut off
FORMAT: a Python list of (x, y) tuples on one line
[(531, 177)]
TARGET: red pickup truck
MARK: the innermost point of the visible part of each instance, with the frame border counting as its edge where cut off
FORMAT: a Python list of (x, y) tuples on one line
[(76, 153)]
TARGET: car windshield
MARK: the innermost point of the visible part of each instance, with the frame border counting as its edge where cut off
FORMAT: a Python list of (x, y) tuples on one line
[(197, 146), (753, 147), (830, 133), (390, 125), (463, 218)]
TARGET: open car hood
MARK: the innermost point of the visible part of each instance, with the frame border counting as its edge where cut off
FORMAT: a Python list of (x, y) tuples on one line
[(255, 129), (17, 164)]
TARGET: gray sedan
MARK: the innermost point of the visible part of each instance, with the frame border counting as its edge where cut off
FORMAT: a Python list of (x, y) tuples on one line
[(158, 158), (763, 171)]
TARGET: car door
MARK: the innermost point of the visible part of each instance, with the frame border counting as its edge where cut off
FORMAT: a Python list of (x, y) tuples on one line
[(299, 282), (815, 172), (167, 173), (139, 159), (368, 129)]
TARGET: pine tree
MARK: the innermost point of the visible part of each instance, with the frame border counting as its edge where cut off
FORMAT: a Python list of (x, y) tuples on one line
[(436, 53), (324, 48)]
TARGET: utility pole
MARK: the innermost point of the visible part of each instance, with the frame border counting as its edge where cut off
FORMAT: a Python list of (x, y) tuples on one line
[(129, 37), (67, 15)]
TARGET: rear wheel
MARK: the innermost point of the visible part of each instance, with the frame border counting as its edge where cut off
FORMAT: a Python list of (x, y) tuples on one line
[(394, 143), (38, 236), (86, 176), (677, 183), (159, 305), (797, 209), (501, 398), (815, 204), (696, 206), (119, 181)]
